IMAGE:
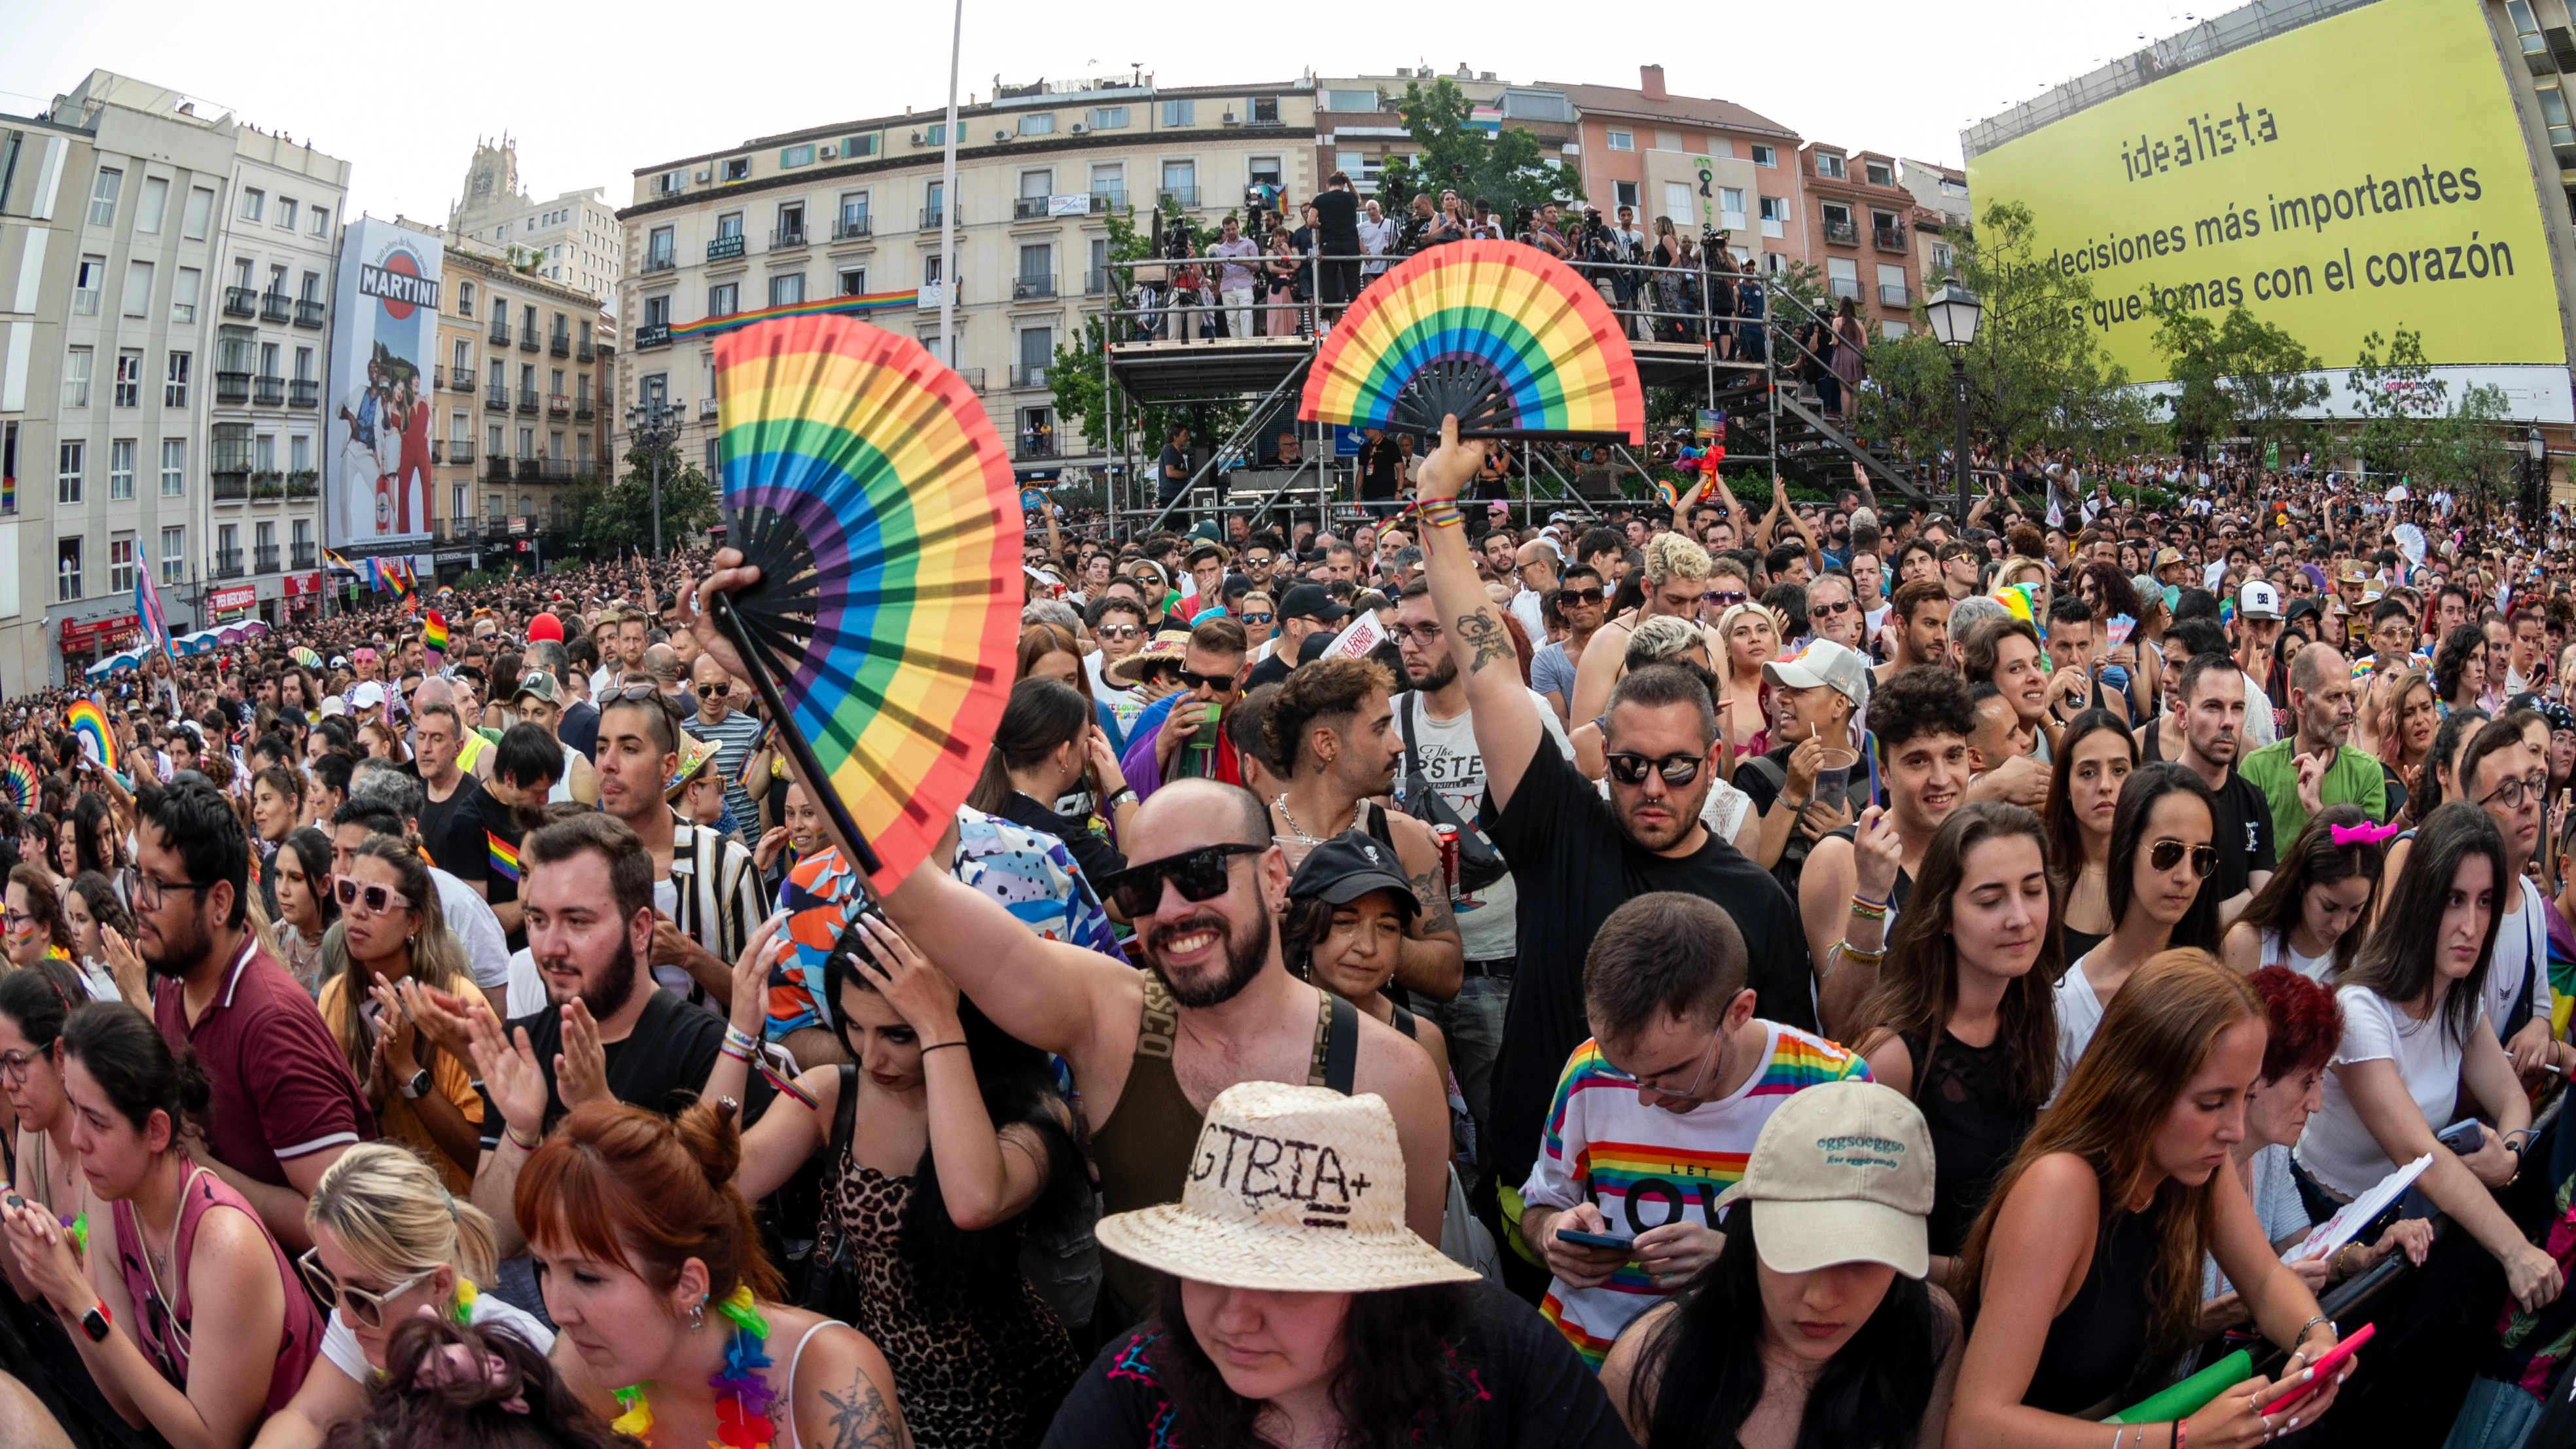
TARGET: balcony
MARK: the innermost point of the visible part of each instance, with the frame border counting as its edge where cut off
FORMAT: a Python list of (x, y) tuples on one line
[(303, 556), (1888, 238), (305, 483), (1025, 376), (1843, 287), (304, 392), (725, 248), (1895, 295), (787, 238), (931, 220), (581, 410), (276, 307), (585, 354), (528, 339), (1037, 446), (653, 334), (240, 302), (974, 377), (1842, 233), (500, 335), (1028, 208), (227, 563), (851, 228), (1108, 198), (231, 485), (308, 313), (659, 262), (496, 470), (607, 351), (1184, 197), (460, 379), (527, 399), (460, 451), (1030, 289), (264, 559), (1095, 283), (532, 470), (558, 470), (232, 388), (559, 344), (497, 401), (558, 405), (271, 392)]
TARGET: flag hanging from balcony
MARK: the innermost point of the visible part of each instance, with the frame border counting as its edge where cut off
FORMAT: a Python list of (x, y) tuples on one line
[(147, 602)]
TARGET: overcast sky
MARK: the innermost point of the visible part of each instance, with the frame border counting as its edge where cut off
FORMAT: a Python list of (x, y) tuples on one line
[(402, 94)]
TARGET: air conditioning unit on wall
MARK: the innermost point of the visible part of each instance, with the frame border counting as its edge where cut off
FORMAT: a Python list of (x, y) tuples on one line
[(1079, 128), (830, 153), (703, 175)]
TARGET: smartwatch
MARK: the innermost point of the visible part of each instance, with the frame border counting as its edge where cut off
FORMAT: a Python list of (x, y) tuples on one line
[(418, 1086), (94, 1323)]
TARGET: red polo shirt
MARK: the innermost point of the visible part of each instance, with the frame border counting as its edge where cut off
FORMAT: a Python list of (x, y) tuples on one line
[(282, 1090)]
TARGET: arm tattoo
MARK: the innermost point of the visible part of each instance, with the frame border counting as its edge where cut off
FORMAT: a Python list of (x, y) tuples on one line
[(1485, 635), (1432, 889), (860, 1421)]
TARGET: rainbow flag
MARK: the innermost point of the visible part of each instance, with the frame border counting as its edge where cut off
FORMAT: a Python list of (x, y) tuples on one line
[(858, 304), (433, 639), (505, 857), (89, 723), (2021, 601)]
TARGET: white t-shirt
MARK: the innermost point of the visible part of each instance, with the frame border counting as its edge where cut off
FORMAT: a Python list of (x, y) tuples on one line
[(2274, 950), (1487, 923), (2522, 943), (666, 899), (2337, 1149), (2079, 1015), (340, 1343), (1525, 607), (487, 946), (527, 985), (2259, 729)]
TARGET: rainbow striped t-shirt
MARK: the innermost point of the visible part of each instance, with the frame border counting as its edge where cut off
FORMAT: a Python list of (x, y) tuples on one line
[(1645, 1167)]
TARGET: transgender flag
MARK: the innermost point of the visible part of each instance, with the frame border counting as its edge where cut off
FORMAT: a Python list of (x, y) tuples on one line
[(147, 601)]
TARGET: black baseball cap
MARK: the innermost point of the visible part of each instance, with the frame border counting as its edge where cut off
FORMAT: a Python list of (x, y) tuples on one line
[(1310, 601), (1349, 866)]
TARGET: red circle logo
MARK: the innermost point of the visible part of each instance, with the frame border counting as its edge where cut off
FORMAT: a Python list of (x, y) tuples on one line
[(401, 264)]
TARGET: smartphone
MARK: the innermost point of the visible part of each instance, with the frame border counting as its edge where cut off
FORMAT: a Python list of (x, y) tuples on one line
[(1593, 1240), (2321, 1373), (2462, 1136)]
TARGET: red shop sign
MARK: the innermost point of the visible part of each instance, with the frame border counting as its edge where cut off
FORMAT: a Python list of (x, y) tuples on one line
[(103, 633), (303, 584), (226, 601)]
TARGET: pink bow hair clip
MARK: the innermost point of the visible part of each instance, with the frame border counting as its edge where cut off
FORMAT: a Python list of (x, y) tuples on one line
[(2364, 834)]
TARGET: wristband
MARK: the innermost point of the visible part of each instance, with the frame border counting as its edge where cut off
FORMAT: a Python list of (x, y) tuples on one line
[(736, 1037), (520, 1140), (1441, 513), (1867, 909), (1792, 804), (735, 1052)]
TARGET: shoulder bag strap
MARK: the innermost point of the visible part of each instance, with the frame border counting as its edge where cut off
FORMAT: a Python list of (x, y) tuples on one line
[(845, 1112), (1342, 1047), (1404, 726)]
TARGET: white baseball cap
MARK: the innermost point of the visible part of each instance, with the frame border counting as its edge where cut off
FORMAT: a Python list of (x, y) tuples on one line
[(2258, 600), (1842, 1173)]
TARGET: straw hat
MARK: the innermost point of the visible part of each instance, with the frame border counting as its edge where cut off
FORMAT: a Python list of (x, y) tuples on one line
[(695, 755), (1296, 1190), (1169, 645)]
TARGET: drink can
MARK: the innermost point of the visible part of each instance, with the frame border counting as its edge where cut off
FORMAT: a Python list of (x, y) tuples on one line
[(1447, 838)]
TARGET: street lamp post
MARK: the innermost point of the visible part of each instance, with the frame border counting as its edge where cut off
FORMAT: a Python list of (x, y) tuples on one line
[(1953, 313), (655, 422), (2535, 486)]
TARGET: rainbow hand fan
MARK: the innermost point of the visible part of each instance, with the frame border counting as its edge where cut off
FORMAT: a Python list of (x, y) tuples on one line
[(306, 657), (21, 778), (1501, 334), (89, 723), (865, 481)]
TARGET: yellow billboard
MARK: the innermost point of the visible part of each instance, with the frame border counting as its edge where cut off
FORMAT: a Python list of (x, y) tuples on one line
[(2362, 173)]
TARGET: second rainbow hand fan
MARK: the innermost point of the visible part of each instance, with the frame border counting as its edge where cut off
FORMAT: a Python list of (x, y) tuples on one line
[(866, 482), (1503, 335)]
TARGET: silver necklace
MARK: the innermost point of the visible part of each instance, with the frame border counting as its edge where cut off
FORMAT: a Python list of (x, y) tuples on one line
[(1281, 802)]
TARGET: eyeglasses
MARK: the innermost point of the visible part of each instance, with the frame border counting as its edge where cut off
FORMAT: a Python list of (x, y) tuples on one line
[(1725, 598), (1119, 631), (1630, 769), (145, 893), (1199, 875), (379, 898), (1689, 1093), (1427, 636), (1839, 606), (2512, 792), (1256, 618), (629, 693), (15, 919), (14, 1065), (2166, 854), (365, 1307)]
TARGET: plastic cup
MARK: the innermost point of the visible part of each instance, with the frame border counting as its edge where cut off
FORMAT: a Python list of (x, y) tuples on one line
[(1833, 777), (1210, 727)]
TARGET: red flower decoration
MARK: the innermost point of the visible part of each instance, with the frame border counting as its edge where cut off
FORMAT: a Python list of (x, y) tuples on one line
[(736, 1428)]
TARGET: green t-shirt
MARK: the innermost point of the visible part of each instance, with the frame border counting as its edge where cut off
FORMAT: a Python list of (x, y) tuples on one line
[(2355, 778)]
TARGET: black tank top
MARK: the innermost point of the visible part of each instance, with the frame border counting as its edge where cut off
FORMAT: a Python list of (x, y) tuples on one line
[(2079, 944), (2093, 1347), (2152, 751), (1966, 1103)]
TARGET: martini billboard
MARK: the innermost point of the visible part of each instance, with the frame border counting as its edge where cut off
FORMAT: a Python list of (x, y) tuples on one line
[(383, 343)]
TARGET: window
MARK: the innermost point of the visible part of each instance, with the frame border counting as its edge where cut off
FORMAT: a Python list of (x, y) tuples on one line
[(1038, 123), (1829, 164), (254, 204), (1835, 215), (129, 379), (657, 311), (266, 453), (930, 270), (858, 146), (932, 196), (1263, 111), (1886, 223), (183, 295), (786, 289), (1623, 193), (729, 225), (67, 570), (1109, 179), (1765, 156), (791, 224), (1037, 260), (1942, 257), (87, 279), (1109, 118), (1775, 215), (492, 441), (1842, 277), (1181, 181), (796, 155), (527, 443), (1262, 171), (321, 221), (465, 299), (120, 468), (154, 202), (1622, 140), (1953, 186), (934, 134), (1681, 204), (174, 467), (1036, 185), (76, 363), (1878, 173), (1180, 113), (201, 208), (1892, 287), (120, 563), (1037, 350), (1350, 100), (304, 364), (228, 543), (500, 378), (854, 281), (174, 381), (174, 555), (286, 213), (1668, 141), (724, 300), (1522, 105), (737, 168), (103, 190), (67, 472), (138, 289), (659, 249), (854, 214)]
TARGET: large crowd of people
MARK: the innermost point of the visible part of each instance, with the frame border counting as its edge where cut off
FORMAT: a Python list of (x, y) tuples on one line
[(1842, 975)]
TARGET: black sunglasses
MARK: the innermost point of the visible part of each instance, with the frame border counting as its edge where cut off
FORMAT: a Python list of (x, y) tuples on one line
[(1578, 596), (2166, 854), (1630, 769), (1191, 679), (1199, 875)]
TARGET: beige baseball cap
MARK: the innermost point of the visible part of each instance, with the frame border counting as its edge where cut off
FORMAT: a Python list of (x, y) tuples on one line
[(1842, 1173)]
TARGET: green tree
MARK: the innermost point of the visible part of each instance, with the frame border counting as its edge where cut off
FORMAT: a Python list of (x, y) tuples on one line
[(1507, 167), (2037, 374), (1081, 385), (2237, 376), (613, 519)]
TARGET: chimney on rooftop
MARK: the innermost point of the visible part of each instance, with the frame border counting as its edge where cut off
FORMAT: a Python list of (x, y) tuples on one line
[(1650, 79)]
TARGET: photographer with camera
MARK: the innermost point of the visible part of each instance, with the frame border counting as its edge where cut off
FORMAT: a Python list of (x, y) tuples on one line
[(1188, 302), (1378, 234)]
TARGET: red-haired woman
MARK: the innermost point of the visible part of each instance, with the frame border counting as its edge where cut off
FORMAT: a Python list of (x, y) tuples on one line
[(667, 1314), (2306, 1026)]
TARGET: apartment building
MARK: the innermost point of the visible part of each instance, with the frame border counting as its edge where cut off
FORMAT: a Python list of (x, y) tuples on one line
[(573, 239), (1859, 221), (151, 400), (523, 401), (1942, 216), (1643, 147), (1358, 130), (855, 210)]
